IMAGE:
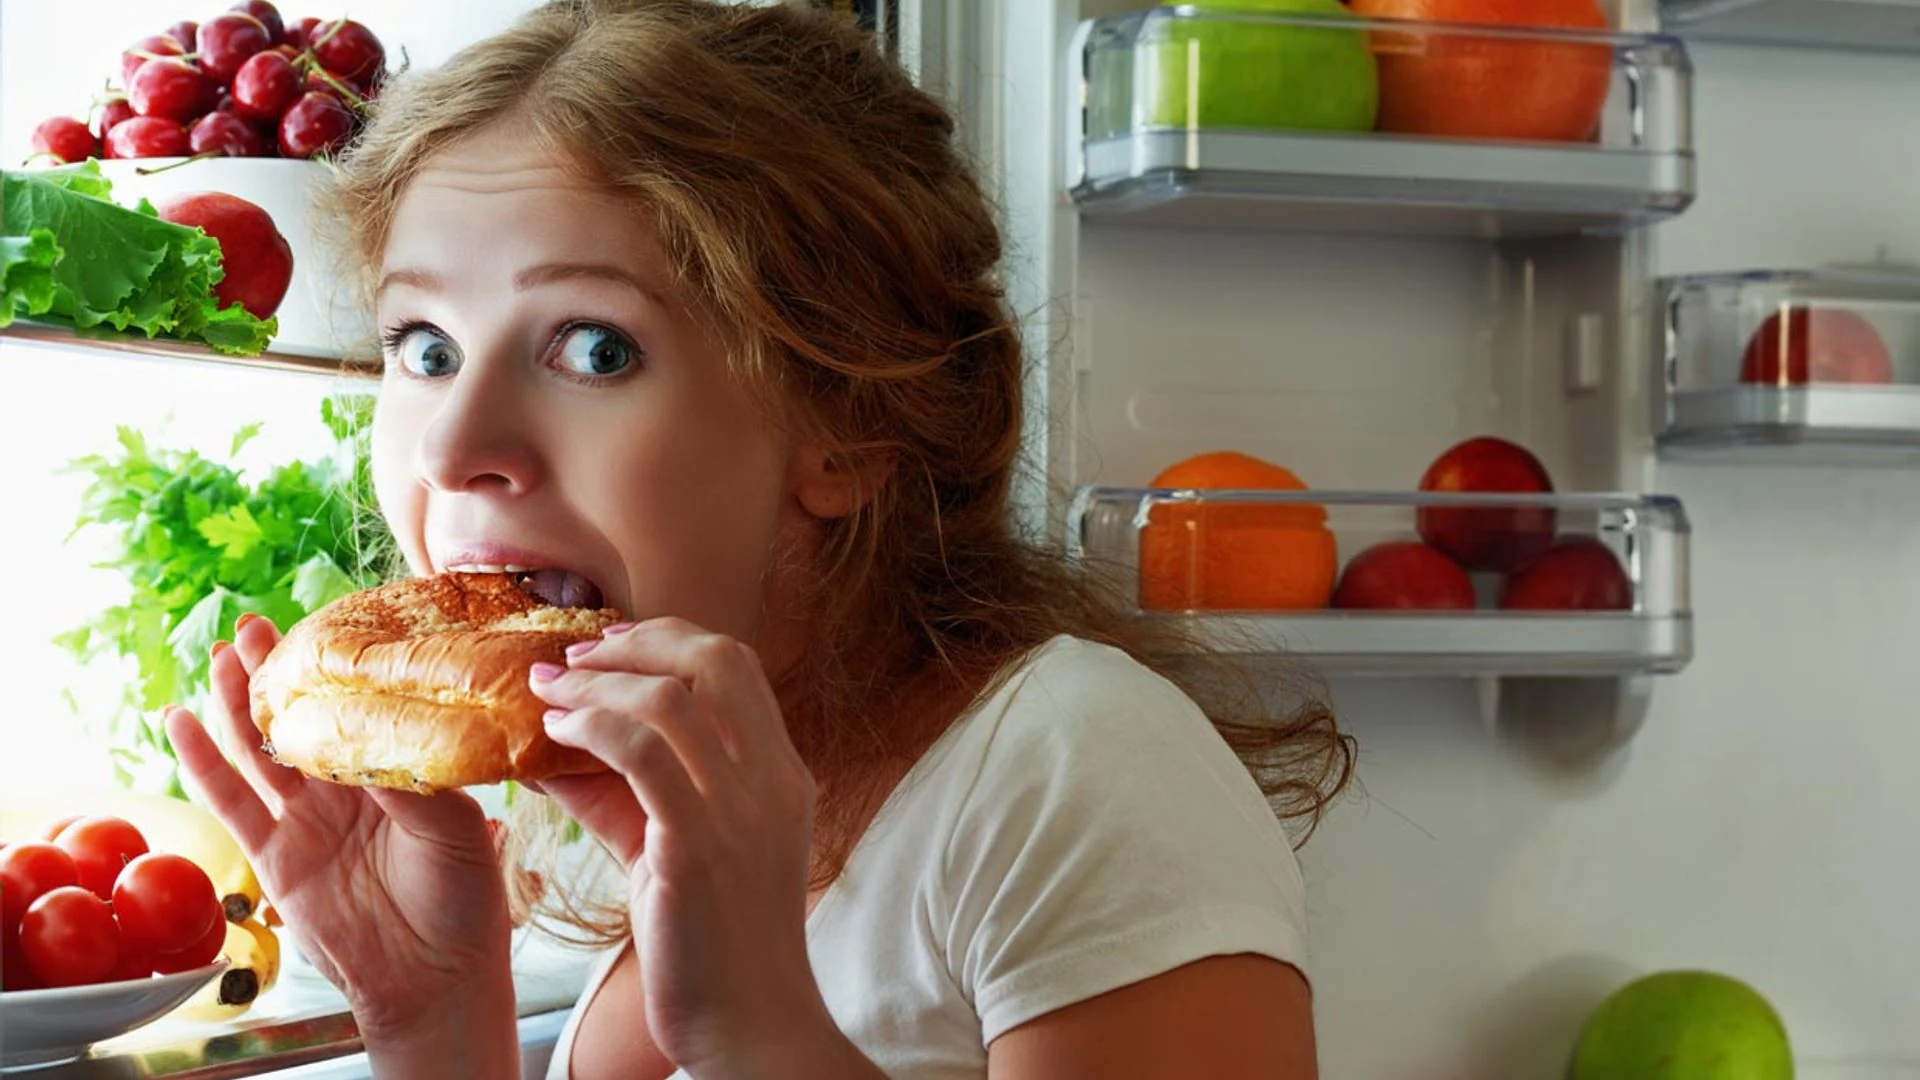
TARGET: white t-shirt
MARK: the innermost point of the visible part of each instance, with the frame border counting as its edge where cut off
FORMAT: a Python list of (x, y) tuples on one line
[(1081, 829)]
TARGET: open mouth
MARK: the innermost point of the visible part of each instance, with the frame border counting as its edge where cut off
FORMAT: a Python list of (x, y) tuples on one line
[(553, 585)]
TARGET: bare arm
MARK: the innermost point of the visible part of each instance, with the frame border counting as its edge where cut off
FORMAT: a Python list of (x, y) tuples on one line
[(1224, 1017)]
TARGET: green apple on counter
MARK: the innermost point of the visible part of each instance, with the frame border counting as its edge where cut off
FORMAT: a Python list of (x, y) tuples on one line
[(1253, 74), (1684, 1025)]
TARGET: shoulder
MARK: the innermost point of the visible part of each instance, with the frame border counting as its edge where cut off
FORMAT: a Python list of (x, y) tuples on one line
[(1087, 717), (1104, 833)]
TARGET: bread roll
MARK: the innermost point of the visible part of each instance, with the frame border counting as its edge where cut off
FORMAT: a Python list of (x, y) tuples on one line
[(421, 685)]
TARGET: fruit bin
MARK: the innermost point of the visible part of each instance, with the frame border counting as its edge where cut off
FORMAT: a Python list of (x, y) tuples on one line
[(1819, 365), (1208, 118), (1595, 585)]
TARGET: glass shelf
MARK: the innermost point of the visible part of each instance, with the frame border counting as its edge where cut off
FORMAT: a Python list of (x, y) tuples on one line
[(1862, 25), (1332, 124), (1815, 366), (63, 337), (1594, 585)]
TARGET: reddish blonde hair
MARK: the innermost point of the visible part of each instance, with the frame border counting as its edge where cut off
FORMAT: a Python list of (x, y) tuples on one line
[(817, 211)]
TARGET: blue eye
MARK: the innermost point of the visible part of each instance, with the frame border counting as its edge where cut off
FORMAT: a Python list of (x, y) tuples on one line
[(589, 349), (422, 351)]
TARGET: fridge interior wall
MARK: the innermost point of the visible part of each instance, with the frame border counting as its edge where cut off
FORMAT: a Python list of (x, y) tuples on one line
[(1470, 905)]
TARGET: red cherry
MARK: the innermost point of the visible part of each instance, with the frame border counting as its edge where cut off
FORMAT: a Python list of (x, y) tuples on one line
[(268, 15), (228, 40), (144, 50), (264, 86), (348, 49), (187, 33), (66, 139), (225, 133), (111, 114), (316, 124), (147, 137), (171, 89), (300, 34)]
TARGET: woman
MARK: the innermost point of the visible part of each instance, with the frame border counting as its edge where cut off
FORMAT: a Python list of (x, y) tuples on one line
[(698, 302)]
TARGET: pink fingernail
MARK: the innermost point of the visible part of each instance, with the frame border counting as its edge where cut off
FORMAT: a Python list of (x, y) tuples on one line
[(544, 671), (580, 648), (554, 716), (619, 628)]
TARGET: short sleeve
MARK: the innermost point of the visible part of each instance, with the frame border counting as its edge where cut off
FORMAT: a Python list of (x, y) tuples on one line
[(1110, 835)]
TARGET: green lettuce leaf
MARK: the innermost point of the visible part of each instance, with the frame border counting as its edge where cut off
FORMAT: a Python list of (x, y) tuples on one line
[(112, 268)]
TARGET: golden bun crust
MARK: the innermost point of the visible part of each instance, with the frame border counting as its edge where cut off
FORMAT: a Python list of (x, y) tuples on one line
[(421, 684)]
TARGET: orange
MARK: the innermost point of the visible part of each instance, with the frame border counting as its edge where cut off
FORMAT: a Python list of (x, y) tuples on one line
[(1466, 86), (1235, 556)]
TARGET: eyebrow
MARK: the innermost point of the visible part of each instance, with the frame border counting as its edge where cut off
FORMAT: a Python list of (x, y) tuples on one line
[(543, 274)]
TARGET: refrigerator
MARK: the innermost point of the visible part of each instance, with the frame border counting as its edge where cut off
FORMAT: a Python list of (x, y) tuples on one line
[(1548, 804)]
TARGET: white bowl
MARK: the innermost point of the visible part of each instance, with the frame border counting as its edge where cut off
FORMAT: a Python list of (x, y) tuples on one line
[(42, 1027), (319, 316)]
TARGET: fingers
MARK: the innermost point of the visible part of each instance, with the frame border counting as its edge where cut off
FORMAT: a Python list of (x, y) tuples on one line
[(230, 678), (604, 804), (452, 818), (641, 754), (232, 799), (255, 637), (723, 674), (640, 703)]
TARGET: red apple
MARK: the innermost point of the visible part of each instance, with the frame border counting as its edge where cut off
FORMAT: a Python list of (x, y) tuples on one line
[(1819, 344), (1495, 538), (257, 259), (1576, 574), (1406, 575)]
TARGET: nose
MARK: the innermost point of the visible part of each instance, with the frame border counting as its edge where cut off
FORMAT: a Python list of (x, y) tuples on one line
[(481, 439)]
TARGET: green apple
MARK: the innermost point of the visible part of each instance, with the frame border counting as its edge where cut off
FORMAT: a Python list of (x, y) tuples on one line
[(1256, 75), (1683, 1025)]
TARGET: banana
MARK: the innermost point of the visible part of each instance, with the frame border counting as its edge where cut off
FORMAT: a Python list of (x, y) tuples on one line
[(254, 952), (171, 825)]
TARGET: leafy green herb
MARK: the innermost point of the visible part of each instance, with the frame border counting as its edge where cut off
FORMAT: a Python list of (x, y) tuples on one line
[(71, 255), (199, 545)]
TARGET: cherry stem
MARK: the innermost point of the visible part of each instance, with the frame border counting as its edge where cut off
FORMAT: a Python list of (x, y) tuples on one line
[(203, 155), (338, 25), (353, 97)]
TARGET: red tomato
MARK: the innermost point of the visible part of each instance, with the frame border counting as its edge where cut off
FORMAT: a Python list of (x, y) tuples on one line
[(200, 954), (26, 872), (134, 964), (69, 938), (164, 902), (14, 973), (101, 847), (54, 830)]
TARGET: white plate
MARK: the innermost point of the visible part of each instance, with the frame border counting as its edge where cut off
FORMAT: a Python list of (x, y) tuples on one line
[(41, 1027)]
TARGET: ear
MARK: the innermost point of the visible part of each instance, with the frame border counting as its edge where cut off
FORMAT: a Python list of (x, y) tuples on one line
[(831, 485)]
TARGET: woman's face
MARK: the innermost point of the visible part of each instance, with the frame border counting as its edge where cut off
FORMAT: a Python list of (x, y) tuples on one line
[(549, 403)]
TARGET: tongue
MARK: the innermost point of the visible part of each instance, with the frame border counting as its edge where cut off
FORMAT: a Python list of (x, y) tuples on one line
[(562, 588)]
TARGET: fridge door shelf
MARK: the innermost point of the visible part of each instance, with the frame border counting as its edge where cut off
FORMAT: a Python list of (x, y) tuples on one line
[(162, 348), (1469, 643), (1650, 633), (1861, 25), (1814, 366), (1152, 145)]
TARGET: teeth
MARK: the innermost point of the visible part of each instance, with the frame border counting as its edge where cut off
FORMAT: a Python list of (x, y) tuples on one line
[(488, 568)]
